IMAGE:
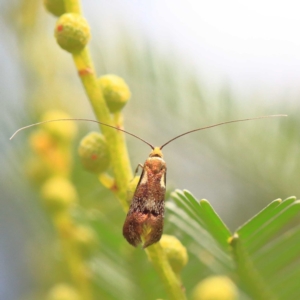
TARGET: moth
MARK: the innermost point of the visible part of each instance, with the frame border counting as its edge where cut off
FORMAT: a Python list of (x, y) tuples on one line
[(145, 218)]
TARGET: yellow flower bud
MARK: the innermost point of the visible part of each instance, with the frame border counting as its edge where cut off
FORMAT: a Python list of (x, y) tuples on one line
[(215, 288), (72, 32), (56, 7), (85, 239), (53, 159), (116, 92), (175, 251), (58, 194), (94, 153), (37, 170), (63, 292), (62, 131), (41, 142)]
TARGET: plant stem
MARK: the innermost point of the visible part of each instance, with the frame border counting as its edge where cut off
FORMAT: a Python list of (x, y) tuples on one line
[(170, 280), (251, 279), (119, 154), (116, 141), (73, 6)]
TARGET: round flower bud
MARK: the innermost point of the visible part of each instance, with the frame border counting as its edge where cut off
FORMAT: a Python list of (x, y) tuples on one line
[(85, 239), (58, 194), (175, 251), (37, 170), (94, 153), (215, 288), (63, 292), (72, 32), (62, 131), (115, 91), (41, 141), (56, 7)]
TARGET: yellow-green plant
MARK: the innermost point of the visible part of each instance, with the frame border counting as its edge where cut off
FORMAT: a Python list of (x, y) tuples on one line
[(260, 257), (108, 95)]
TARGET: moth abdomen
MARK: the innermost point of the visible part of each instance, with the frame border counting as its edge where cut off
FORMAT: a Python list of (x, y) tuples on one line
[(146, 226)]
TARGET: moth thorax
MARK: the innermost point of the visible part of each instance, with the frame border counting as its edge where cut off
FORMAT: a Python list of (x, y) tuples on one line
[(155, 164)]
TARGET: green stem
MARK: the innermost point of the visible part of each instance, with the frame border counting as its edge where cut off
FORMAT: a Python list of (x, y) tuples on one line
[(120, 159), (170, 280), (73, 6), (116, 141), (250, 278)]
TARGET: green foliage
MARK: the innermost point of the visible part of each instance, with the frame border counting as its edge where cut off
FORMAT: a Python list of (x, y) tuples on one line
[(261, 256)]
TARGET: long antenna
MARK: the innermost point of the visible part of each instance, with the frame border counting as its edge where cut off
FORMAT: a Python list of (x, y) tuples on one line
[(215, 125), (76, 119), (151, 146)]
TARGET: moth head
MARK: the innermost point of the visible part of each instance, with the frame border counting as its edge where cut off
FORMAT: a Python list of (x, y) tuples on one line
[(156, 152), (155, 162)]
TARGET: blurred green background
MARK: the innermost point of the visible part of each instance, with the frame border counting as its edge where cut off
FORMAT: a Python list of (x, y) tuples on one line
[(239, 168)]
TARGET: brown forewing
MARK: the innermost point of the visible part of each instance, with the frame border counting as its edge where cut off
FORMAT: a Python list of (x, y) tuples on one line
[(146, 212)]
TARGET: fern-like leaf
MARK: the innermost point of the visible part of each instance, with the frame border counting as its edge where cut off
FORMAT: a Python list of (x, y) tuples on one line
[(261, 256)]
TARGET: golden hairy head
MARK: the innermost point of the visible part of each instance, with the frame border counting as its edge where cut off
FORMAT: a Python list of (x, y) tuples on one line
[(156, 152)]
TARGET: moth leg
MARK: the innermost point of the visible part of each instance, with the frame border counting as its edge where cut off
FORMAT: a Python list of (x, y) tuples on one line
[(137, 169)]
